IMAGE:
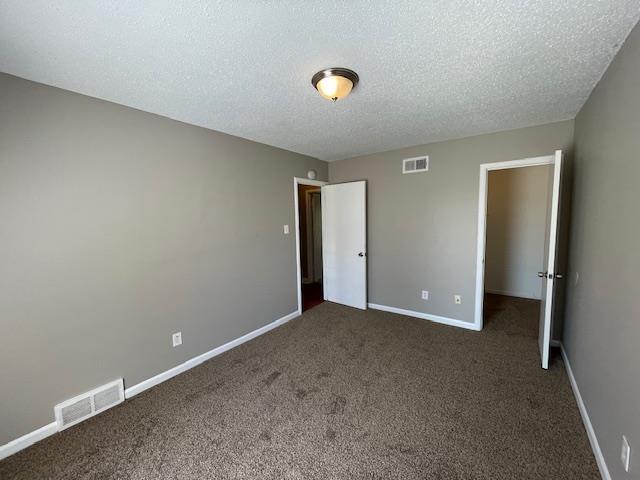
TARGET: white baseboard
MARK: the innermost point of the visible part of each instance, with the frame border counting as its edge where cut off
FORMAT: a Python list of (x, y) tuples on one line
[(511, 294), (425, 316), (593, 440), (189, 364), (30, 438), (27, 440)]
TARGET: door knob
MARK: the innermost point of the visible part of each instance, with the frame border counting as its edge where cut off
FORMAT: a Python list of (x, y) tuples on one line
[(361, 254), (542, 274), (558, 276)]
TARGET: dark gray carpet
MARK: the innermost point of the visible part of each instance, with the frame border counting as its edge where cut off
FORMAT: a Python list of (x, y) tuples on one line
[(343, 394)]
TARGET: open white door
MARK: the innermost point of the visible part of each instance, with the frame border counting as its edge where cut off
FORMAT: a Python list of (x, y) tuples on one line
[(344, 242), (550, 276)]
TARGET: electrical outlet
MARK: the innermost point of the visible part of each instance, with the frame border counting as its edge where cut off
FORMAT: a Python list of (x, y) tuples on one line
[(457, 299), (286, 229), (176, 339), (625, 454), (425, 295)]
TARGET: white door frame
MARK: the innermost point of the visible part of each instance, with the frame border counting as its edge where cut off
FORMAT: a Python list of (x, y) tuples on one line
[(300, 181), (482, 221)]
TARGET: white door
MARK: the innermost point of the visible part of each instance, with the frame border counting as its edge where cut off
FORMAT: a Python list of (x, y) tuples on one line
[(344, 242), (550, 275)]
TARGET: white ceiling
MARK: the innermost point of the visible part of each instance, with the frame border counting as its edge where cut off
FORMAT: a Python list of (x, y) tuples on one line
[(430, 70)]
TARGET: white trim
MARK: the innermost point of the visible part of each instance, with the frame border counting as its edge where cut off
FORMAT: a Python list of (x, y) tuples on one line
[(525, 162), (511, 294), (482, 222), (29, 439), (189, 364), (591, 433), (14, 446), (424, 316), (300, 181)]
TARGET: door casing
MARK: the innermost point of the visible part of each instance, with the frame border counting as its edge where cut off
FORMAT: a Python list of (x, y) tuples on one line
[(485, 168), (300, 181)]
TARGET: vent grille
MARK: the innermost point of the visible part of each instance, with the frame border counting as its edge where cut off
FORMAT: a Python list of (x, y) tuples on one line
[(76, 411), (416, 164), (88, 404), (106, 398)]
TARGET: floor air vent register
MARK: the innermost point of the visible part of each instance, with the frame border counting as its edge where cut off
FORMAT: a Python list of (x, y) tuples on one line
[(89, 404)]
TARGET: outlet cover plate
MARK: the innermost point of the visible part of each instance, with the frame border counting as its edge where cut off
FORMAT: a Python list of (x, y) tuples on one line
[(176, 338)]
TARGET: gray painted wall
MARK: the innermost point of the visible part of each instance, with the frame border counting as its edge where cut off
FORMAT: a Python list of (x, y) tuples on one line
[(422, 227), (118, 228), (517, 230), (602, 323)]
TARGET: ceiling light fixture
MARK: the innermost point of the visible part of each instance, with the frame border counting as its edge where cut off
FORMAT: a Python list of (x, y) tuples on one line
[(335, 83)]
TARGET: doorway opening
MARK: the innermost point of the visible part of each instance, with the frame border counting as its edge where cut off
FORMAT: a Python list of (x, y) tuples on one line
[(517, 242), (309, 243), (517, 205)]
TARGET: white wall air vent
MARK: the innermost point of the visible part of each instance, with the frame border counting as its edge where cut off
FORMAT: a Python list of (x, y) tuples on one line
[(88, 404), (415, 164)]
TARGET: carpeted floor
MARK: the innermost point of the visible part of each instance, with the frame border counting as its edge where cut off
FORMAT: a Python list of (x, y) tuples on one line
[(343, 394)]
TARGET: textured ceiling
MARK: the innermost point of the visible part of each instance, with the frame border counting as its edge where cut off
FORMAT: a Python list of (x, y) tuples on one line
[(429, 70)]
